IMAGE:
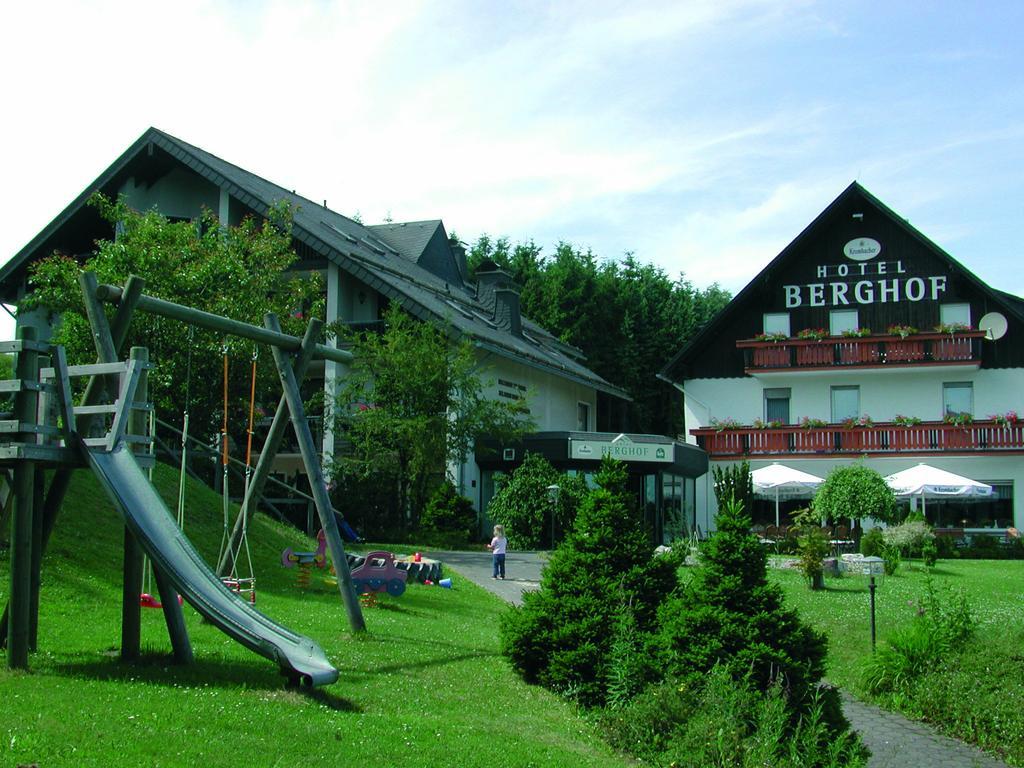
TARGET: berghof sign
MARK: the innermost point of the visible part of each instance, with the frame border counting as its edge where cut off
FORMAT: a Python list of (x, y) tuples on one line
[(621, 448), (863, 282)]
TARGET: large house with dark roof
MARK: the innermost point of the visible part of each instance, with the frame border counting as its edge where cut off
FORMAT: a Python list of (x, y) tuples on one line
[(416, 265), (863, 340)]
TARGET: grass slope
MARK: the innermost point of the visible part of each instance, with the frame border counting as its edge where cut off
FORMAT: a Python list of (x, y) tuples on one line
[(425, 685), (977, 696)]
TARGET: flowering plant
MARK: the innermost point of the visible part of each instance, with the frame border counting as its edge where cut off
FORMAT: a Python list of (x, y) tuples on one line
[(896, 329), (952, 328), (906, 421), (1007, 419), (773, 336), (856, 333), (960, 419), (727, 423), (810, 423), (817, 334), (773, 424), (862, 421)]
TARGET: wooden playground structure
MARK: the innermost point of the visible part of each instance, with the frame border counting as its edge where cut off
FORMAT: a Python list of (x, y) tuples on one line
[(48, 431)]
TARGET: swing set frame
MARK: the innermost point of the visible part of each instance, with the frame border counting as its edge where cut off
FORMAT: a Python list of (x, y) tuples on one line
[(35, 513)]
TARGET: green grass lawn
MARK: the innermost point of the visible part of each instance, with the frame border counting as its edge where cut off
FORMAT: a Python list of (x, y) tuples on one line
[(977, 696), (425, 685)]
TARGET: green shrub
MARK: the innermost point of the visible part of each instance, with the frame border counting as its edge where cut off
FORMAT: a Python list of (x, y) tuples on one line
[(449, 517), (524, 505), (872, 543), (729, 614), (909, 536), (734, 482), (930, 552), (813, 547), (721, 721), (891, 559), (942, 627), (562, 637)]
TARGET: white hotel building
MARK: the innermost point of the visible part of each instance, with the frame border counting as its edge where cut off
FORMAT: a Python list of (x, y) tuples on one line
[(789, 373)]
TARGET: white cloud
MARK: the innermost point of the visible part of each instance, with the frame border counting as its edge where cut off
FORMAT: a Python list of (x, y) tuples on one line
[(702, 135)]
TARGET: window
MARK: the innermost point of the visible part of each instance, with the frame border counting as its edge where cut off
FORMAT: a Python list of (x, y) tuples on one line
[(582, 417), (777, 323), (840, 320), (955, 313), (845, 403), (776, 405), (957, 398)]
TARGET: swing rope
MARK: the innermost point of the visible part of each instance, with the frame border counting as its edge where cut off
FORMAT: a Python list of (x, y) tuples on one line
[(184, 434), (225, 494), (244, 538), (235, 582)]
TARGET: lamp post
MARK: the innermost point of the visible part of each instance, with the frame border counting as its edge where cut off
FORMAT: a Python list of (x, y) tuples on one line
[(553, 491), (873, 566)]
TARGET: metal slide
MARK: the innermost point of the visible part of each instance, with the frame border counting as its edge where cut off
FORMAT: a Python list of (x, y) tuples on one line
[(148, 518)]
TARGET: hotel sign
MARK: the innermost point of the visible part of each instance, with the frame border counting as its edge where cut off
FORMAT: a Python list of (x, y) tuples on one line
[(866, 281), (621, 448)]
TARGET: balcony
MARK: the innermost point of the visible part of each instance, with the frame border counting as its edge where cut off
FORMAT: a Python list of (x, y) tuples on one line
[(846, 352), (884, 439)]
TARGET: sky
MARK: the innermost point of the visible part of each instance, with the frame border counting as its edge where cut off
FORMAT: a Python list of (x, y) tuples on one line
[(700, 136)]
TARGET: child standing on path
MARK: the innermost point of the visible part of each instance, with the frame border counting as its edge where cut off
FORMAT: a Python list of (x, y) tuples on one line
[(498, 546)]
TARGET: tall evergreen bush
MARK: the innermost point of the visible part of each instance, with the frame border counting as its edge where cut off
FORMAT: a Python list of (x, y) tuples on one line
[(598, 599), (730, 614)]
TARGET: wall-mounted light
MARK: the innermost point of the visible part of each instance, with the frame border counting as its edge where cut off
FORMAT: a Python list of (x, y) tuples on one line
[(361, 297)]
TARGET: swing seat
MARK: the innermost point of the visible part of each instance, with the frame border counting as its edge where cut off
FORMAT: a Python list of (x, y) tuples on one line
[(147, 600)]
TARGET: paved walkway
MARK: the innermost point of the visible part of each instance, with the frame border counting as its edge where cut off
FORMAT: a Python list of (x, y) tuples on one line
[(893, 740)]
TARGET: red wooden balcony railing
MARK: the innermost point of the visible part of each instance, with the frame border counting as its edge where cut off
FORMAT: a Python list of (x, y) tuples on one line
[(862, 352), (888, 438)]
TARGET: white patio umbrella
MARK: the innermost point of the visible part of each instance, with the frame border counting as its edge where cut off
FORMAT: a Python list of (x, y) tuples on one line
[(927, 482), (779, 481)]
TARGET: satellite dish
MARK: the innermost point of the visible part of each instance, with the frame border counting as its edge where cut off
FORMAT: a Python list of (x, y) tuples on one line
[(994, 324)]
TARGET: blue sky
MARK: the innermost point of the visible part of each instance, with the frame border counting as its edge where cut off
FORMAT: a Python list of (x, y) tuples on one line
[(701, 136)]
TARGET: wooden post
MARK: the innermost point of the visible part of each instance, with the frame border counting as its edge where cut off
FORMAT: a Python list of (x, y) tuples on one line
[(20, 618), (316, 480), (62, 477), (131, 586)]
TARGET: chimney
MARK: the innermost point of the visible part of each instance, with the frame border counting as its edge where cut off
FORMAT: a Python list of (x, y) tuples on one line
[(506, 310), (488, 277), (496, 291), (459, 252)]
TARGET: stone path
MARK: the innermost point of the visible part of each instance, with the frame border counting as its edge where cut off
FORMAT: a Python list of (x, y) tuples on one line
[(893, 739)]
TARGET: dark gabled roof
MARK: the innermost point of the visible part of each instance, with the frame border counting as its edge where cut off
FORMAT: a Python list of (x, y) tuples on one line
[(709, 334), (410, 237), (387, 263)]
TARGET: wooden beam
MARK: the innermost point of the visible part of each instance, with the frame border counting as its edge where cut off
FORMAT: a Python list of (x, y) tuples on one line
[(316, 482), (210, 321)]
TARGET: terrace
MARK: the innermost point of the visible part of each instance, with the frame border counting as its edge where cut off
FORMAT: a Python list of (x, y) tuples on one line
[(875, 351), (934, 437)]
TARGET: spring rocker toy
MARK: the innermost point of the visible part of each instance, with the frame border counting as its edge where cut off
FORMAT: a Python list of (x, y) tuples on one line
[(378, 574), (306, 560)]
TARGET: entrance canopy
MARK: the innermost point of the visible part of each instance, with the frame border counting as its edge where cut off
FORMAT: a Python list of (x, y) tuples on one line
[(928, 482), (779, 481)]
